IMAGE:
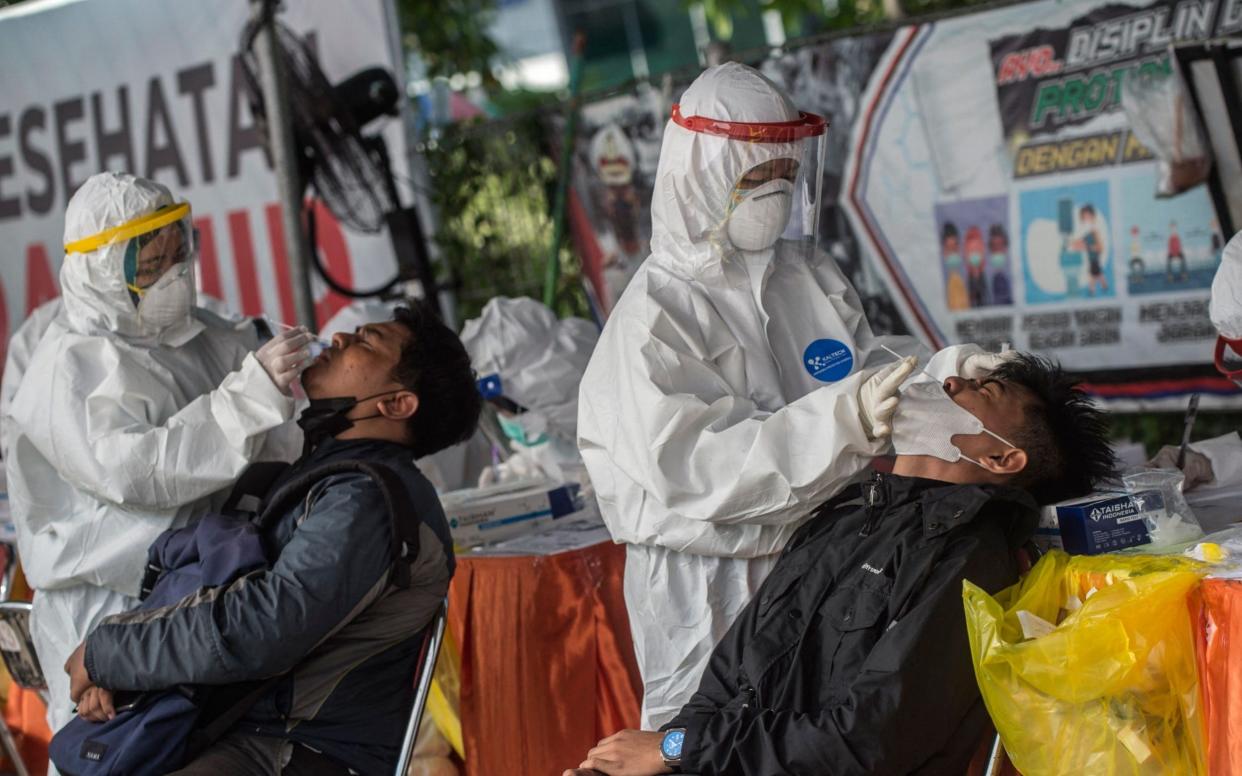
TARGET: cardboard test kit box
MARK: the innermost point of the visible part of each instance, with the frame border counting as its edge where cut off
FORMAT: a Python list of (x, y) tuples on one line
[(481, 516), (1099, 523)]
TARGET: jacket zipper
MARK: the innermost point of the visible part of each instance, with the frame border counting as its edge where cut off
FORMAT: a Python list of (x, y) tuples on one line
[(871, 500)]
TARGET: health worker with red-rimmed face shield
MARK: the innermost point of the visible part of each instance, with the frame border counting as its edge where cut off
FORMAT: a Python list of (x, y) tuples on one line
[(736, 385), (1225, 310), (1217, 462)]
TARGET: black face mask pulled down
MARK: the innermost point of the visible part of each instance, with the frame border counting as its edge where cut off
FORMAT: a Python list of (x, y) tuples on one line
[(325, 418)]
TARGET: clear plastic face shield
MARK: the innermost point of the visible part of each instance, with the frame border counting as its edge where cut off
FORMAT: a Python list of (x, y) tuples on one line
[(1228, 358), (769, 180), (158, 250)]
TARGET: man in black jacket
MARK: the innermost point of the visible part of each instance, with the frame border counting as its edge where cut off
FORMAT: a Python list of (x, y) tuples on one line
[(853, 657), (328, 614)]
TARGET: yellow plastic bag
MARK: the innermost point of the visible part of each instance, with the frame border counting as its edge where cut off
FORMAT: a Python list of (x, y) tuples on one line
[(444, 702), (1113, 688)]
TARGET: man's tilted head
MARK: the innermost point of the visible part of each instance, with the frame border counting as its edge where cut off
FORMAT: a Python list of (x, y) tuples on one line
[(411, 377), (1064, 435), (1039, 431)]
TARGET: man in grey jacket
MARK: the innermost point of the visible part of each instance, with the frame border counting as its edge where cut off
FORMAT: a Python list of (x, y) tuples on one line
[(327, 615)]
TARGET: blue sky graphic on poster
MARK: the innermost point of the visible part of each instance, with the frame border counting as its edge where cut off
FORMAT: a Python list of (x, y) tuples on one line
[(1166, 245), (1066, 243)]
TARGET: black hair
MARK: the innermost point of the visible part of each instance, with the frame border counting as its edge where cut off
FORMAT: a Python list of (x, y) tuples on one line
[(1085, 209), (436, 367), (950, 230), (1065, 437)]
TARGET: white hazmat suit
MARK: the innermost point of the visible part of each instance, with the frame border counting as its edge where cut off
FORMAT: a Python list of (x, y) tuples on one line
[(539, 361), (17, 358), (1218, 462), (123, 426), (709, 422), (1225, 309)]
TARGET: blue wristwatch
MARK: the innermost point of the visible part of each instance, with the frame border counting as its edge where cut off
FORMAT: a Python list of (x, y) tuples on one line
[(670, 747)]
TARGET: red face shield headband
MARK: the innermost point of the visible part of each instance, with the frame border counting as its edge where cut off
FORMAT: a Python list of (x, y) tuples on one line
[(806, 125), (1236, 346)]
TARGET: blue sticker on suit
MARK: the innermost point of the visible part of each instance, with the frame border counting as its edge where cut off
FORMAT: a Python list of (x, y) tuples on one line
[(828, 360)]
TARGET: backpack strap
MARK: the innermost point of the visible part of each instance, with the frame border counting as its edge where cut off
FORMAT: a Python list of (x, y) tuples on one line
[(403, 517), (244, 500), (246, 497), (225, 707)]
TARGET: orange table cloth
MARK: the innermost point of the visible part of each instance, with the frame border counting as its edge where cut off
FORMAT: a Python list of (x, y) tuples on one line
[(1217, 607), (547, 662)]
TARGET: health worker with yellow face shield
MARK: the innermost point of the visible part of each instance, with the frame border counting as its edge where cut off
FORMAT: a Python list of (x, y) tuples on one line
[(136, 409)]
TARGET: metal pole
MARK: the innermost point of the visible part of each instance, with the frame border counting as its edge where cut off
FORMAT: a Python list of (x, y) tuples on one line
[(552, 271), (284, 161)]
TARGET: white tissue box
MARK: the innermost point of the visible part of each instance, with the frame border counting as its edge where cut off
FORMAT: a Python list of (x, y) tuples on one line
[(479, 516)]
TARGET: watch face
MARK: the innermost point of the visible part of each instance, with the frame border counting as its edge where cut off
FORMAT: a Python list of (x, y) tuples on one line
[(671, 746)]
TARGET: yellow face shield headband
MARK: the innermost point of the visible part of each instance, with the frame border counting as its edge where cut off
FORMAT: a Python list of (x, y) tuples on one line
[(131, 229)]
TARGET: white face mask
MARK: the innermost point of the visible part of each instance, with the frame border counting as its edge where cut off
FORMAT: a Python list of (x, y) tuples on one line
[(758, 221), (927, 419), (168, 300)]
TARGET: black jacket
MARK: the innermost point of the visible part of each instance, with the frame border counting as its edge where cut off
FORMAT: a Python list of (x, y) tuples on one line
[(327, 612), (853, 656)]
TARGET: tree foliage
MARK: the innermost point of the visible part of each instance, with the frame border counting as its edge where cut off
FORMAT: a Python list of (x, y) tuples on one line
[(451, 36), (493, 187)]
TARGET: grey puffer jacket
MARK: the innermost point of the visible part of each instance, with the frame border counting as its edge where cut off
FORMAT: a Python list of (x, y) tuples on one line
[(327, 612)]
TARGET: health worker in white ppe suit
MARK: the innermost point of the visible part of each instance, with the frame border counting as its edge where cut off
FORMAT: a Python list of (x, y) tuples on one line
[(17, 358), (1218, 461), (135, 409), (735, 386), (529, 365)]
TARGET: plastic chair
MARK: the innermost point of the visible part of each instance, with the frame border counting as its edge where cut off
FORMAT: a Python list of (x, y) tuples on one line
[(17, 651), (426, 667), (20, 657), (9, 553)]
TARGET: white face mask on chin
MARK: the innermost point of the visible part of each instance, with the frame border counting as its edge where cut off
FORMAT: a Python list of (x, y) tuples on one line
[(758, 221), (168, 300), (927, 419)]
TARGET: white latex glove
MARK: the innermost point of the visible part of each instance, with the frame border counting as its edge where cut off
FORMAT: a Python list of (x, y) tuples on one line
[(979, 365), (285, 356), (877, 397), (1198, 467), (517, 467)]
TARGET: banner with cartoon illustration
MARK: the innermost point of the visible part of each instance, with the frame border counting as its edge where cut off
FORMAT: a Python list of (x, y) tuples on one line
[(1004, 196), (984, 184)]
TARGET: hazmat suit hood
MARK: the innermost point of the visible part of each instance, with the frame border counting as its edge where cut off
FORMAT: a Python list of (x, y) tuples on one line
[(1225, 310), (697, 171), (540, 359), (97, 301), (1226, 305)]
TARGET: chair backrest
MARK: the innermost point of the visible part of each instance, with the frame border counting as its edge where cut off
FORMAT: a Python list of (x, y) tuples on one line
[(9, 553), (422, 683), (16, 647)]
